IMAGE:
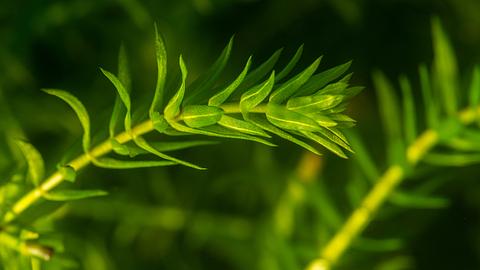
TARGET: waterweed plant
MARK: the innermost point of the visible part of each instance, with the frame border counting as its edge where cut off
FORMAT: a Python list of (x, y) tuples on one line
[(306, 109)]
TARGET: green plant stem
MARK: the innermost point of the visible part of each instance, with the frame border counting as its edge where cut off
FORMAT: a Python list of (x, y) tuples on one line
[(25, 248), (385, 185), (80, 162)]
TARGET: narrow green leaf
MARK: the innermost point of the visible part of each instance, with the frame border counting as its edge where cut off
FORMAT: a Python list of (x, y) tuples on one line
[(201, 115), (256, 95), (412, 200), (173, 107), (219, 131), (223, 95), (363, 158), (452, 159), (378, 245), (146, 146), (124, 77), (325, 143), (430, 105), (263, 123), (283, 118), (110, 163), (161, 57), (36, 167), (409, 117), (200, 88), (79, 109), (390, 116), (474, 97), (445, 67), (124, 96), (241, 126), (261, 71), (70, 195), (287, 89), (291, 64), (314, 104), (318, 81)]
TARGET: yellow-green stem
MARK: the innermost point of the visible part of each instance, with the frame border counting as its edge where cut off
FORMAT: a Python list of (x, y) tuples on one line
[(78, 163), (387, 183)]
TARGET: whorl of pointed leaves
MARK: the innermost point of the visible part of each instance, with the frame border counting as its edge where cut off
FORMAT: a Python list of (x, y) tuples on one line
[(306, 109)]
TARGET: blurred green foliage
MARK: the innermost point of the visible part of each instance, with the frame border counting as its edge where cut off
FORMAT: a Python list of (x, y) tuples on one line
[(255, 207)]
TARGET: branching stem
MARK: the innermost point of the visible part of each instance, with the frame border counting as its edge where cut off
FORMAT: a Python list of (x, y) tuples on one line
[(385, 185), (80, 162)]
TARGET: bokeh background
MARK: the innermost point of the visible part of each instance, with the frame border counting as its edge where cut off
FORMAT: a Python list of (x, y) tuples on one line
[(256, 207)]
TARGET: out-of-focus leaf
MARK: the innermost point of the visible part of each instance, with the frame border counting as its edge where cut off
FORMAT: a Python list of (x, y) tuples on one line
[(79, 109), (409, 116), (146, 146), (111, 163), (287, 89), (241, 126), (325, 143), (173, 107), (124, 96), (378, 245), (36, 167), (412, 200), (445, 67), (390, 116), (219, 131), (364, 159), (291, 64), (321, 79), (70, 195), (430, 104), (161, 59), (452, 159), (223, 95), (201, 115), (124, 77), (474, 97), (264, 124), (256, 95)]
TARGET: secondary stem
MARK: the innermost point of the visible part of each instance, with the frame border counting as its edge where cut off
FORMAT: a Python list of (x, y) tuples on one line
[(387, 183), (78, 163)]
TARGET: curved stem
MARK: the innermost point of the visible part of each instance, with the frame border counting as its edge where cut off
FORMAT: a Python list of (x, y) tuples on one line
[(385, 185), (80, 162)]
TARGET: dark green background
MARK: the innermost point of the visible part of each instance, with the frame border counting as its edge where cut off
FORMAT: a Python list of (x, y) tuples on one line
[(61, 44)]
